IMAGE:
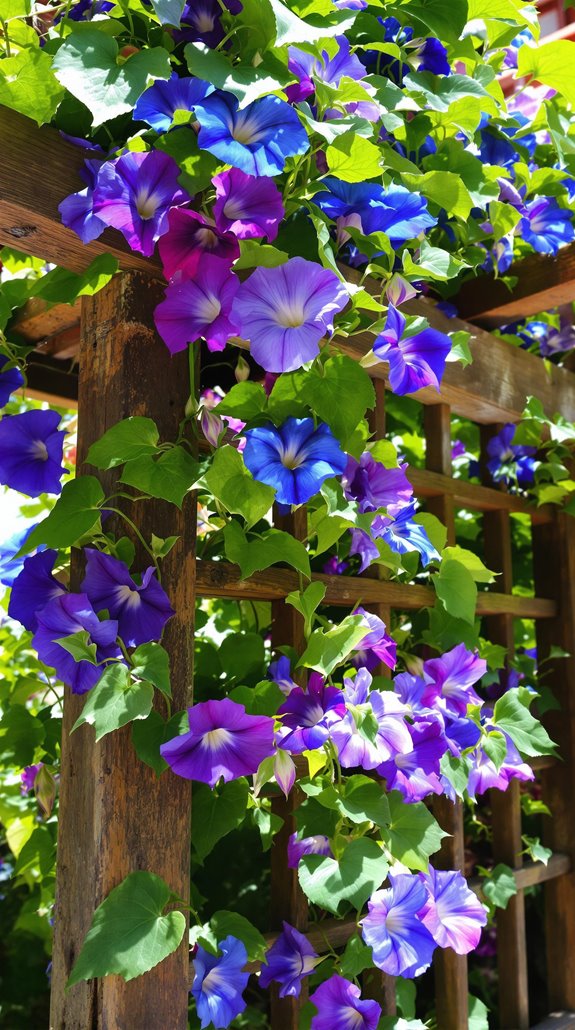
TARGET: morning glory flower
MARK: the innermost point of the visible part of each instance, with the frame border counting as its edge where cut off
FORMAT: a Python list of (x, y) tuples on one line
[(10, 566), (200, 21), (286, 311), (546, 226), (77, 210), (402, 534), (451, 677), (416, 773), (11, 379), (394, 210), (189, 240), (484, 774), (159, 103), (258, 139), (374, 486), (219, 982), (452, 913), (414, 361), (508, 460), (222, 741), (141, 611), (376, 646), (308, 715), (33, 588), (330, 70), (31, 447), (374, 728), (134, 194), (300, 846), (280, 672), (402, 945), (433, 57), (338, 1003), (334, 567), (249, 207), (28, 777), (61, 617), (410, 689), (363, 545), (295, 458), (290, 958), (199, 308)]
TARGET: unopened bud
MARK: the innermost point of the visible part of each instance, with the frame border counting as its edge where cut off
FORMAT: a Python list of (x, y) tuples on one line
[(45, 791), (212, 426), (284, 770), (414, 664), (242, 370), (398, 290), (191, 407)]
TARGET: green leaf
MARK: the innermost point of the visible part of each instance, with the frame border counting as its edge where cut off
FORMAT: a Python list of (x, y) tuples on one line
[(231, 484), (361, 869), (169, 476), (353, 158), (76, 513), (291, 29), (306, 602), (61, 286), (436, 263), (20, 734), (224, 923), (340, 392), (115, 700), (445, 18), (28, 85), (536, 850), (198, 166), (473, 564), (495, 747), (169, 12), (512, 716), (327, 648), (246, 82), (244, 401), (551, 64), (87, 65), (478, 1014), (269, 548), (77, 645), (413, 833), (362, 801), (242, 656), (500, 886), (456, 589), (445, 189), (356, 957), (255, 254), (152, 663), (129, 933), (148, 734), (217, 813), (131, 438)]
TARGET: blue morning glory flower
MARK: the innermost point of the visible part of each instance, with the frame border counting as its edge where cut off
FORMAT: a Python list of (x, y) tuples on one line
[(31, 447), (158, 104), (10, 566), (219, 981), (295, 458), (546, 226), (433, 57), (63, 616), (11, 379), (402, 534), (414, 361), (394, 210), (290, 958), (508, 461), (257, 139)]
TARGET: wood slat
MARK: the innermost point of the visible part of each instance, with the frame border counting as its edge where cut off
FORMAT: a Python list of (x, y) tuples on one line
[(557, 1021), (532, 873), (474, 496)]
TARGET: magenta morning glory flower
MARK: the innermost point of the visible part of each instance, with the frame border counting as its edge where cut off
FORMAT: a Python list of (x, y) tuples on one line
[(286, 311), (258, 139), (141, 611), (414, 361), (33, 588), (415, 774), (290, 958), (546, 226), (338, 1003), (159, 103), (331, 70), (199, 308), (295, 458), (300, 846), (247, 206), (219, 982), (223, 741), (402, 945), (77, 210), (394, 210), (376, 646), (61, 617), (190, 239), (374, 486), (308, 715), (452, 913), (374, 727), (11, 379), (451, 677), (134, 194), (334, 567), (31, 447)]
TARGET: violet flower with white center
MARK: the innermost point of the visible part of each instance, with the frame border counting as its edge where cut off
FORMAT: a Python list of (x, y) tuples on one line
[(374, 729), (290, 959), (452, 913), (300, 846), (31, 448), (330, 70), (484, 774), (307, 716), (546, 226), (374, 486), (339, 1005), (250, 207), (219, 982), (189, 240), (401, 944), (416, 773), (201, 307), (415, 361), (141, 611), (63, 616), (376, 646), (402, 534), (285, 311), (451, 678)]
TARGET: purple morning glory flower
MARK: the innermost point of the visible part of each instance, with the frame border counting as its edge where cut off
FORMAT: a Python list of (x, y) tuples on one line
[(28, 777), (219, 982), (338, 1003), (334, 567), (61, 617), (374, 728), (308, 715), (200, 21), (286, 311), (402, 534), (223, 740), (280, 672), (363, 545), (31, 447), (295, 458), (141, 611), (159, 103), (190, 239), (77, 210), (199, 308), (290, 958), (300, 846), (11, 379), (546, 226), (452, 913), (451, 677), (410, 689), (374, 486), (85, 10), (249, 207), (33, 588), (414, 361), (433, 57), (394, 210), (416, 773), (458, 449), (258, 139), (134, 194), (500, 256), (331, 70), (508, 460), (10, 566), (484, 775), (401, 944), (376, 646)]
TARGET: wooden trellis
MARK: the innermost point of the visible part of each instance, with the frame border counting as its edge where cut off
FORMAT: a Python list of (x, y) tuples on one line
[(116, 815)]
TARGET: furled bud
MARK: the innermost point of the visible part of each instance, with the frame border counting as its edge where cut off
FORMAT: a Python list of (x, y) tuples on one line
[(212, 426), (242, 370), (284, 770)]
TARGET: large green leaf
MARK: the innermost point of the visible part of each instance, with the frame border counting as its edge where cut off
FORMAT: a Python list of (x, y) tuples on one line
[(130, 933), (246, 82), (87, 65), (28, 85), (269, 548), (128, 439), (500, 886), (217, 813), (354, 159), (116, 700), (152, 663), (231, 483), (76, 512), (362, 800), (148, 734), (360, 871), (445, 189), (20, 734), (327, 648), (413, 834), (340, 392), (455, 587), (244, 400), (512, 716), (169, 475), (198, 166), (551, 64), (169, 12), (224, 923)]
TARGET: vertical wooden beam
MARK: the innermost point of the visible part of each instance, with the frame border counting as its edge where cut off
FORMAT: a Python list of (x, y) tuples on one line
[(554, 568), (116, 815), (506, 806), (450, 969)]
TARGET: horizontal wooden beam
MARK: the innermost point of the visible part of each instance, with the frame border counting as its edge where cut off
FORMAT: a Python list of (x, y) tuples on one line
[(474, 496)]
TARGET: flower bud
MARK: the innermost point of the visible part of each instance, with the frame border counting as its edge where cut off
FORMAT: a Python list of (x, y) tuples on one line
[(45, 791), (414, 664), (398, 290), (242, 370), (284, 770), (212, 426), (191, 407)]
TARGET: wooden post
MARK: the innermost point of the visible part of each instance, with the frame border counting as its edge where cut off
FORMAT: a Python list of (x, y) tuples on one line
[(117, 816)]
